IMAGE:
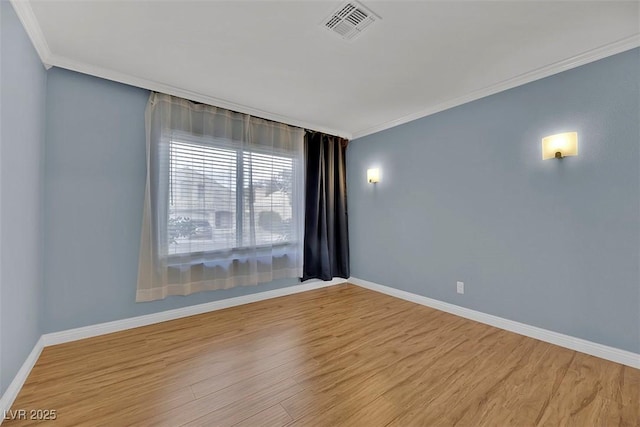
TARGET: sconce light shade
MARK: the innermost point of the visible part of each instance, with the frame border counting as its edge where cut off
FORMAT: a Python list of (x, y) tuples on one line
[(373, 175), (560, 145)]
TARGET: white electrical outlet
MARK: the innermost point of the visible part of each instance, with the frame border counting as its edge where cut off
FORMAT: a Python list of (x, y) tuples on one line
[(460, 287)]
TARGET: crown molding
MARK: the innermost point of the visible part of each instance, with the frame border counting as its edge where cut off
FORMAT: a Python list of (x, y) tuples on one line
[(32, 27), (29, 21), (105, 73), (540, 73)]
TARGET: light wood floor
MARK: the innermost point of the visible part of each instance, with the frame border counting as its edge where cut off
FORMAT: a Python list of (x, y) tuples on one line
[(336, 356)]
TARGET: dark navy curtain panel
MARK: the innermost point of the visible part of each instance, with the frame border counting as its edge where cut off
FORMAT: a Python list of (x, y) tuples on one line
[(326, 235)]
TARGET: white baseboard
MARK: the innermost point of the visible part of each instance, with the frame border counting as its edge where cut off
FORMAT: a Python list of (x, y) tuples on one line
[(605, 352), (12, 391), (69, 335), (594, 349)]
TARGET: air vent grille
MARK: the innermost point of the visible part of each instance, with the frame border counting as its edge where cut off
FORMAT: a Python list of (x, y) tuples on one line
[(350, 20)]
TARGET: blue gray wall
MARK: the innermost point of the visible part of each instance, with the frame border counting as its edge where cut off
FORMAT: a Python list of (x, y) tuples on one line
[(465, 196), (94, 189), (22, 117)]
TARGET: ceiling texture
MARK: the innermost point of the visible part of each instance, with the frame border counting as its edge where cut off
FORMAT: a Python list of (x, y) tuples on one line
[(275, 59)]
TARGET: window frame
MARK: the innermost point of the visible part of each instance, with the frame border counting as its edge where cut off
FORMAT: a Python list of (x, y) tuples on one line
[(238, 250)]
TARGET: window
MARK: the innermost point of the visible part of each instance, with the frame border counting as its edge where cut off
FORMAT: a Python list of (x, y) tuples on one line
[(224, 199)]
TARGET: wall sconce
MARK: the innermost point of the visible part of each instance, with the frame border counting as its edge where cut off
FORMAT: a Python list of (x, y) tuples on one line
[(373, 175), (560, 145)]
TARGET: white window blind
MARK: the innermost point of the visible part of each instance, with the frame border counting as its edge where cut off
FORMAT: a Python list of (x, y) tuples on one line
[(223, 199)]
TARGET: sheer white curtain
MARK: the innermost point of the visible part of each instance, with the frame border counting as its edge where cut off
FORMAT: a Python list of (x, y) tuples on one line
[(224, 202)]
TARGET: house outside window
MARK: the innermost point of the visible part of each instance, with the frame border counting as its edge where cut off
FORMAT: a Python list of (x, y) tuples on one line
[(216, 192)]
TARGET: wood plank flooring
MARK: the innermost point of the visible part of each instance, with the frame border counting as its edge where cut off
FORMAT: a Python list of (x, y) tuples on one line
[(341, 355)]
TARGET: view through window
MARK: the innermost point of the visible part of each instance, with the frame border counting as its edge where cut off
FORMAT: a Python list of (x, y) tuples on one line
[(221, 198)]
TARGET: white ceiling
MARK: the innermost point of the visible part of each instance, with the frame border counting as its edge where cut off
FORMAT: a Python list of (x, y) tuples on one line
[(273, 59)]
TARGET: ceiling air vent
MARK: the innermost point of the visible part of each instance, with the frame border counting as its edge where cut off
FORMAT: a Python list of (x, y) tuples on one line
[(350, 20)]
